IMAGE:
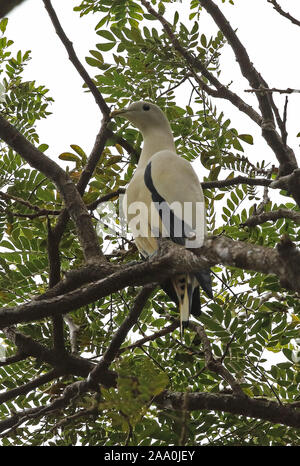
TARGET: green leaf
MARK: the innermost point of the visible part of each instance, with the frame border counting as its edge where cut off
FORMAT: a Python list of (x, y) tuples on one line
[(176, 18), (98, 55), (149, 17), (45, 194), (247, 138), (43, 147), (237, 145), (93, 61), (203, 40), (3, 24), (106, 46), (214, 173), (6, 244), (107, 35)]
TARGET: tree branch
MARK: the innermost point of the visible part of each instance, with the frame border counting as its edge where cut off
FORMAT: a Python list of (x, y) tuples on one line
[(17, 419), (75, 60), (165, 331), (97, 375), (195, 64), (272, 216), (284, 262), (290, 183), (19, 356), (284, 154), (244, 406), (7, 5), (266, 90), (120, 335), (27, 387), (100, 101), (54, 278), (278, 8), (63, 363), (235, 181), (215, 365)]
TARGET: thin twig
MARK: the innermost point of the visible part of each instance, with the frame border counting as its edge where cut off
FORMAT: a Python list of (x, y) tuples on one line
[(235, 181), (75, 60), (267, 90), (287, 15), (215, 365), (284, 130), (272, 216), (165, 331)]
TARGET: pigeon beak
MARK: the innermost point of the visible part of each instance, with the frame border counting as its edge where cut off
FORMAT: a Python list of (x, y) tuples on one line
[(117, 112)]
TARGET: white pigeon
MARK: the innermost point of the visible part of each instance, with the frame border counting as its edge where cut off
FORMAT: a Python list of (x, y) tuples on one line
[(165, 198)]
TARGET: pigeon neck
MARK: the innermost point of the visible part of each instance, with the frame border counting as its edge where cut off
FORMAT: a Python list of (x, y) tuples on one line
[(154, 141)]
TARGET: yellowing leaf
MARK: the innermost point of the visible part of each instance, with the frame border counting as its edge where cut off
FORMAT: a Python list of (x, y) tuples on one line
[(295, 318), (119, 148), (80, 152), (70, 157)]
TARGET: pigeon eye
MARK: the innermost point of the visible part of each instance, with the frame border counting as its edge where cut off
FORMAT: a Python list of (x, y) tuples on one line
[(146, 107)]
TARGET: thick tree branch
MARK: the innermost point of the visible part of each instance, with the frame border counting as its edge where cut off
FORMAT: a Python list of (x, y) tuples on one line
[(7, 5), (62, 362), (258, 409), (290, 183), (282, 262)]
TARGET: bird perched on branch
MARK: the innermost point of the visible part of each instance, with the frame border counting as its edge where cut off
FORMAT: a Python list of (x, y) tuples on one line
[(165, 199)]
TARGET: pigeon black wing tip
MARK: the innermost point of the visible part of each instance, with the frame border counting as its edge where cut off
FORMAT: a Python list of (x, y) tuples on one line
[(204, 280)]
